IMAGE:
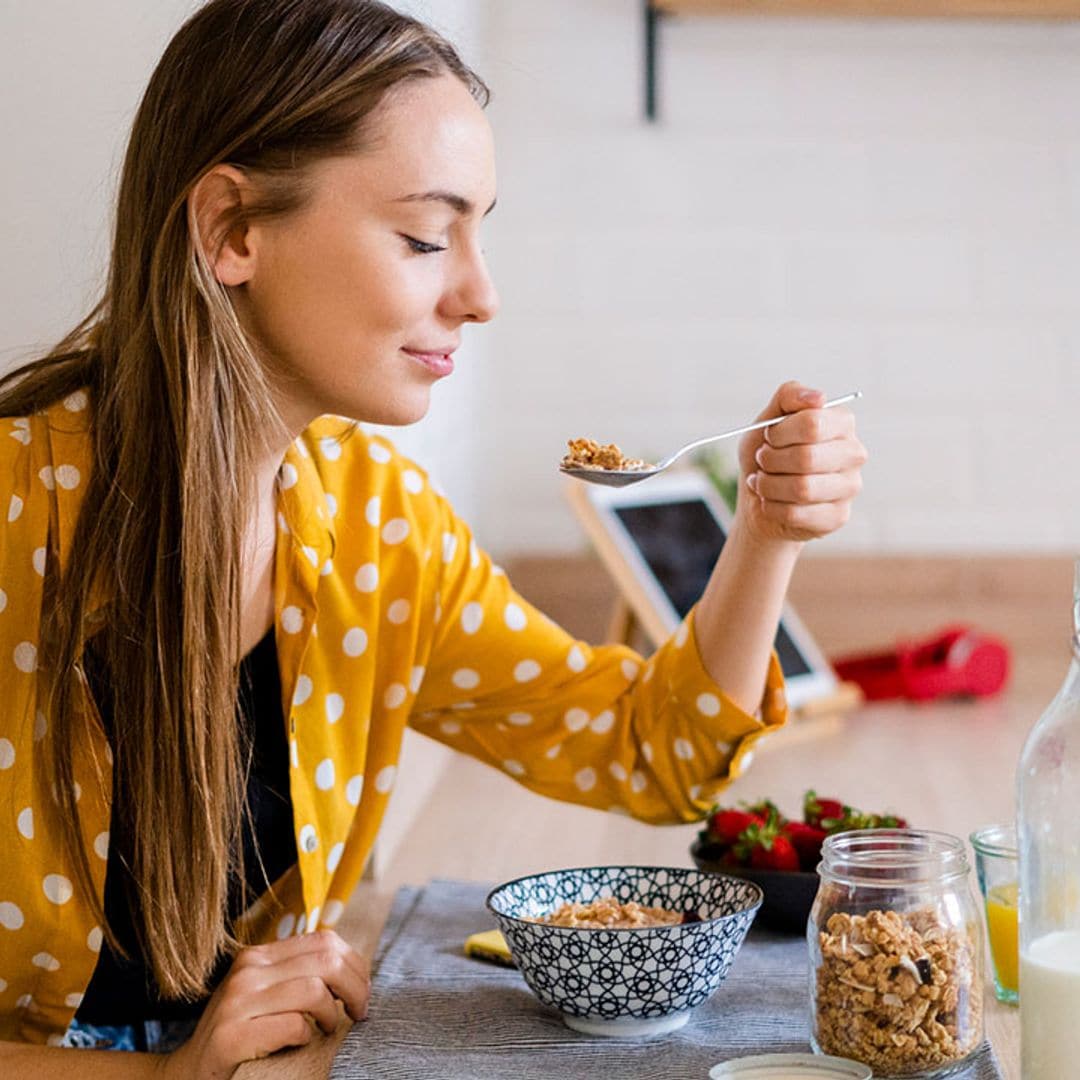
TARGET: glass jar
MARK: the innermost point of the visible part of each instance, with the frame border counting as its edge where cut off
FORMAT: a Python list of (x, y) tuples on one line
[(896, 953), (1048, 834)]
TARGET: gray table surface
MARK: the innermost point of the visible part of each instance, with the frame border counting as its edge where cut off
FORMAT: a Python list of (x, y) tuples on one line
[(436, 1013)]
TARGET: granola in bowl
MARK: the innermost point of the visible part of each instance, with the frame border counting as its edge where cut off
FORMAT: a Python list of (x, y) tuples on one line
[(607, 913), (588, 454)]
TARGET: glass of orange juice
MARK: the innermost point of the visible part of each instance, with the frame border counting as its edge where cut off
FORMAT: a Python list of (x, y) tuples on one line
[(998, 871)]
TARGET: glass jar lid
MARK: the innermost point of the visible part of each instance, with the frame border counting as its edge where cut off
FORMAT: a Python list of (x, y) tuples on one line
[(790, 1067)]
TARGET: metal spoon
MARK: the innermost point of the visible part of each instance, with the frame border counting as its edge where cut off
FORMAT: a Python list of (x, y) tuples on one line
[(622, 477)]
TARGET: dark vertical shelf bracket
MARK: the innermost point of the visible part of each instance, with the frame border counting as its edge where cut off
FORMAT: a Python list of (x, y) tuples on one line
[(653, 15)]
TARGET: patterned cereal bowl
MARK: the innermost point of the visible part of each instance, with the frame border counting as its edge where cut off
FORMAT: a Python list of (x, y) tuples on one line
[(626, 982)]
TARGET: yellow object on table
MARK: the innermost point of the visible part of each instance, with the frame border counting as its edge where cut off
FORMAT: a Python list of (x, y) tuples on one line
[(489, 945), (1002, 927)]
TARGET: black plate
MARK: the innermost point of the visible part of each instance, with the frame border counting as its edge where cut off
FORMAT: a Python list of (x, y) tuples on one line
[(788, 895)]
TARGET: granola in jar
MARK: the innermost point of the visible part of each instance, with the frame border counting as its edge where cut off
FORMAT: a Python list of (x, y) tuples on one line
[(896, 984)]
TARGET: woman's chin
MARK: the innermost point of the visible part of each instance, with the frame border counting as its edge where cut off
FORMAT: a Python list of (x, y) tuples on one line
[(398, 412)]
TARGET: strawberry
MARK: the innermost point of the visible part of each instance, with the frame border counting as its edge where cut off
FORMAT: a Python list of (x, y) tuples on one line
[(764, 847), (856, 819), (817, 811), (766, 810), (807, 841), (726, 825)]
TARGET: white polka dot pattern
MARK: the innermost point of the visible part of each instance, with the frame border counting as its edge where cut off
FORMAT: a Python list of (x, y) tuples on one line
[(324, 774), (367, 578), (353, 790), (526, 671), (11, 917), (304, 686), (708, 704), (334, 858), (26, 656), (384, 780), (465, 679), (355, 642), (576, 719), (395, 531), (472, 618), (57, 888), (602, 723), (335, 707)]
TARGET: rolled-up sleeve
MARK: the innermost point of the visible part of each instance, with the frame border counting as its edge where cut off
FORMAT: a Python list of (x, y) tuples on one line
[(600, 726)]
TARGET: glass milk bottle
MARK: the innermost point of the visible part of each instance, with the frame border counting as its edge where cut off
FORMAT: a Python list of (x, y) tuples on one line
[(1048, 824)]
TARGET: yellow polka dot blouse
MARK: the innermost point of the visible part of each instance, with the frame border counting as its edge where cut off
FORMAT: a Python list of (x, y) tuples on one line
[(386, 614)]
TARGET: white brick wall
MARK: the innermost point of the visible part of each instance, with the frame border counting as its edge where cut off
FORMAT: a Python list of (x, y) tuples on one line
[(892, 205)]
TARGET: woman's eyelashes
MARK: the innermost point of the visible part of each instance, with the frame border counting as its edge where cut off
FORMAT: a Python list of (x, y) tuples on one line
[(421, 247)]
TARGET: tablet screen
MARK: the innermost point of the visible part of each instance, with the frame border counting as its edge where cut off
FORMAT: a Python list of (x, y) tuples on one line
[(680, 542)]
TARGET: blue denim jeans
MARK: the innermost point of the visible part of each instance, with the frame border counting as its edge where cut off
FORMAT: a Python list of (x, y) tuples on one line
[(150, 1036)]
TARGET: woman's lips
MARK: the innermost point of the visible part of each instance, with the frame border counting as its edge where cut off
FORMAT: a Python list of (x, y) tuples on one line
[(439, 363)]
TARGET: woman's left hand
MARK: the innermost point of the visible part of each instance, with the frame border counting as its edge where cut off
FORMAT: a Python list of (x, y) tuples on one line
[(800, 476)]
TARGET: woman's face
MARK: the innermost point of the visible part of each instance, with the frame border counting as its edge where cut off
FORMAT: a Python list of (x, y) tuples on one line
[(357, 300)]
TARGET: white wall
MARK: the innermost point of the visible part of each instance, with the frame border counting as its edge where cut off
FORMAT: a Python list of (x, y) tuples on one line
[(893, 205), (890, 205), (71, 75)]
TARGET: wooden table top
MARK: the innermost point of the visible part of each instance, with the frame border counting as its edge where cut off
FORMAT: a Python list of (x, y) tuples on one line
[(947, 765)]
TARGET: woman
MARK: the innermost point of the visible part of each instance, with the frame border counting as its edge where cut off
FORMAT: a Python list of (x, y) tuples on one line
[(223, 601)]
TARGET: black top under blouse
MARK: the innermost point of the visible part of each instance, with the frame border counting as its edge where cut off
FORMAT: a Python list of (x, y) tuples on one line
[(123, 991)]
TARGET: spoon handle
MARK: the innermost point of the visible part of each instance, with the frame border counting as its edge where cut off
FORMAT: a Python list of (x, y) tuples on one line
[(750, 427)]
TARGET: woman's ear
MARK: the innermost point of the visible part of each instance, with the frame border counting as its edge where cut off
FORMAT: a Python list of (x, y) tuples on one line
[(216, 200)]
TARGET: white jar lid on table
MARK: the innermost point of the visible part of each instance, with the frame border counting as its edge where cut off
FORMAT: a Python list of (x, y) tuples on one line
[(790, 1067)]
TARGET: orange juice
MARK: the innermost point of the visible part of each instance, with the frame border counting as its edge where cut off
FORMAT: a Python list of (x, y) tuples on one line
[(1001, 925)]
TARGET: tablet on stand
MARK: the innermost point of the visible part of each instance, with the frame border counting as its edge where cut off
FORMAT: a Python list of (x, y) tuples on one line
[(659, 540)]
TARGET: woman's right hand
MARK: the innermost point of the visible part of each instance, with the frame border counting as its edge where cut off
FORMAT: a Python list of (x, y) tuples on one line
[(264, 1002)]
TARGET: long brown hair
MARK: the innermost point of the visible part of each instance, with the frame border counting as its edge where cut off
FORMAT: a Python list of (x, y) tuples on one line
[(181, 411)]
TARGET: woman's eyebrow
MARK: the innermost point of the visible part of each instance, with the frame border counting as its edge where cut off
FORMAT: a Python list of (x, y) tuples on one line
[(458, 203)]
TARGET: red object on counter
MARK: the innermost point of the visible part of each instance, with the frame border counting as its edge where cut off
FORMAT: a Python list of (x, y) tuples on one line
[(958, 660)]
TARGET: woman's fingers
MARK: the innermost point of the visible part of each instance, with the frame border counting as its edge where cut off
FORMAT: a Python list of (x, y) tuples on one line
[(305, 994), (256, 1039), (837, 455), (790, 398), (807, 520), (274, 951), (814, 488), (268, 1001), (811, 426), (345, 980)]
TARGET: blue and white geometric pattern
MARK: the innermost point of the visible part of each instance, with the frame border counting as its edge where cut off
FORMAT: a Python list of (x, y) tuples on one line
[(644, 972)]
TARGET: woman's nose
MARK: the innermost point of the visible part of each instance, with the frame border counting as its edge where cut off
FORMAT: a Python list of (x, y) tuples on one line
[(476, 299)]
